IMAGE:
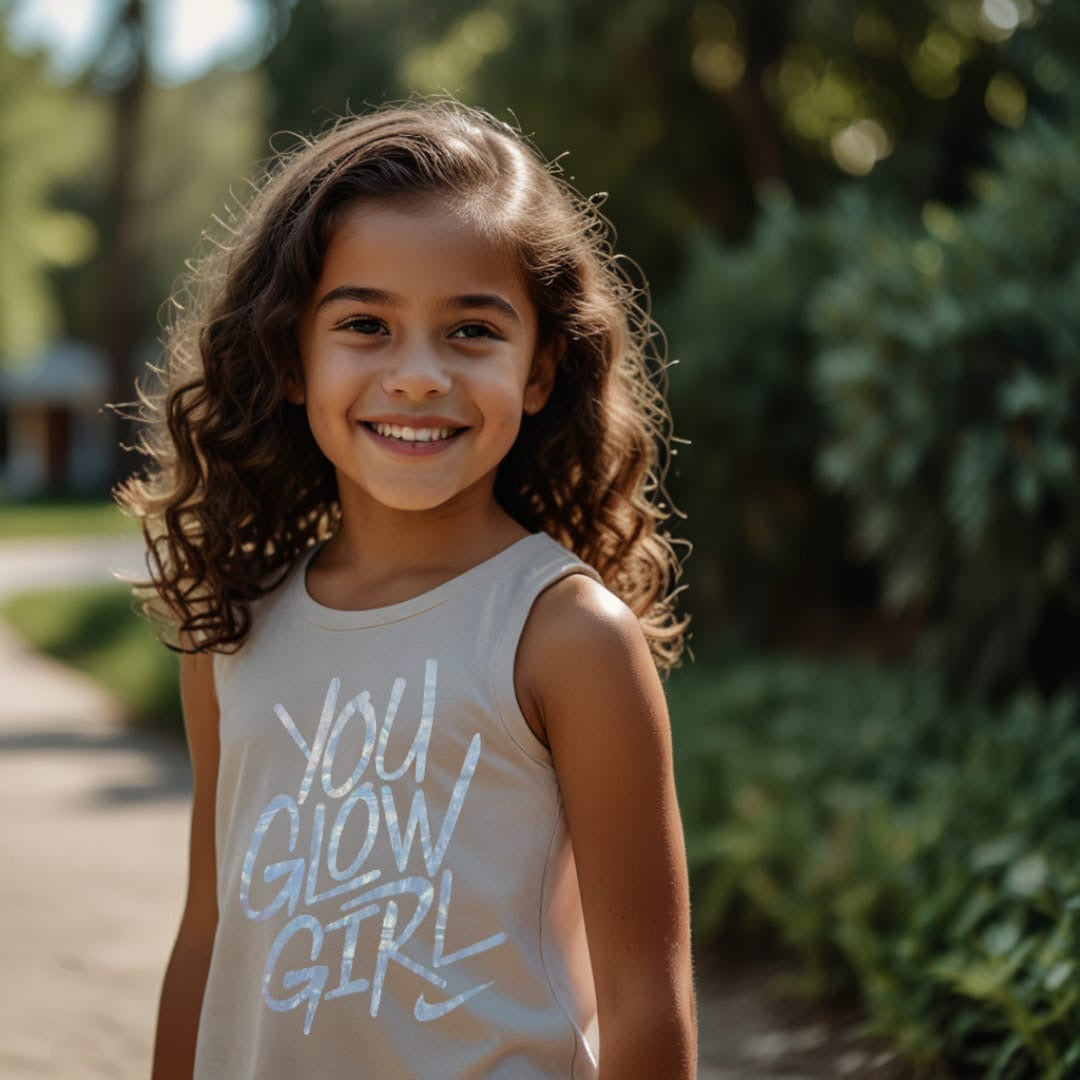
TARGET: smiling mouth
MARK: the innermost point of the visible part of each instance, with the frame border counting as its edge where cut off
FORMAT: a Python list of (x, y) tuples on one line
[(406, 434)]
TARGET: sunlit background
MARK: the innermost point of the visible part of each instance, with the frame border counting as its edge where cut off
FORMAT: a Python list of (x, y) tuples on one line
[(860, 221)]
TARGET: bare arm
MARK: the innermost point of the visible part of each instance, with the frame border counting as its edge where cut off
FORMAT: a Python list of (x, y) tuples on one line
[(185, 976), (606, 721)]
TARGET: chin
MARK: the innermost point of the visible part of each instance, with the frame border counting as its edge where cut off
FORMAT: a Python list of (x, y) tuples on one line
[(415, 503)]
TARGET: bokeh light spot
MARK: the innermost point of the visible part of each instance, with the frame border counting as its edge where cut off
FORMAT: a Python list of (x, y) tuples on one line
[(858, 147), (718, 65), (486, 31), (450, 63), (1006, 99), (940, 222), (65, 238), (927, 257), (1002, 15), (934, 67), (942, 49)]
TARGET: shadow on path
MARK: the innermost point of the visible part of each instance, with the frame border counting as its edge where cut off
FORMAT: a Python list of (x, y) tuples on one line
[(163, 769)]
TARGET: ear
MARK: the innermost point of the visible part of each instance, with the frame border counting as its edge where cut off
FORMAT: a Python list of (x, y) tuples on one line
[(541, 382), (294, 391)]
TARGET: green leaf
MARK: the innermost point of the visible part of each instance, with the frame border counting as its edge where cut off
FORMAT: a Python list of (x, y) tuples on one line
[(1057, 976), (1028, 875)]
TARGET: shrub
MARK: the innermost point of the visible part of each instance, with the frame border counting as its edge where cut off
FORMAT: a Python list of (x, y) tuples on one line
[(742, 394), (95, 629), (949, 372), (922, 853)]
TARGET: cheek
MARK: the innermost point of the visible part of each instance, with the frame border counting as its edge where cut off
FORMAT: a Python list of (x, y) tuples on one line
[(508, 428), (319, 429), (326, 402), (507, 404), (329, 378), (510, 423)]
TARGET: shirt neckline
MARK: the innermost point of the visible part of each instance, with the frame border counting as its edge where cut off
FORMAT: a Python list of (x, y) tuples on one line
[(341, 619)]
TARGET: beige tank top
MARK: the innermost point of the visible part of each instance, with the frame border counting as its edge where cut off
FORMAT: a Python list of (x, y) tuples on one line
[(396, 888)]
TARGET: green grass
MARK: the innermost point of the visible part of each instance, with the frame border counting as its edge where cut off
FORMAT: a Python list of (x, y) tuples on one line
[(54, 518), (95, 630)]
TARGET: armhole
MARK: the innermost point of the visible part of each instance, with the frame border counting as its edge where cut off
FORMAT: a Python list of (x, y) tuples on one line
[(504, 655)]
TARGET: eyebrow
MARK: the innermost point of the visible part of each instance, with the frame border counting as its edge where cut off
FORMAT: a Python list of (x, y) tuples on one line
[(468, 301)]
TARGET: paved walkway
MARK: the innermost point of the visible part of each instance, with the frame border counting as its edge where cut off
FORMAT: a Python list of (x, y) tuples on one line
[(93, 847)]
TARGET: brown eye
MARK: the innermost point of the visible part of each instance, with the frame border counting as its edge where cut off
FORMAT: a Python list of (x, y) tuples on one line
[(363, 324), (471, 331)]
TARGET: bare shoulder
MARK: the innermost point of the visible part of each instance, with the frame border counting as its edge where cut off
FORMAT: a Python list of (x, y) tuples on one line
[(580, 641), (592, 686), (589, 613)]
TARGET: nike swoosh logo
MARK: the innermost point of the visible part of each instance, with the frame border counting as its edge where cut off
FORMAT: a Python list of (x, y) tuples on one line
[(426, 1011)]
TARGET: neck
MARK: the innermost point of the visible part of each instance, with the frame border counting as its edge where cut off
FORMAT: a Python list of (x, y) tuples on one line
[(380, 544)]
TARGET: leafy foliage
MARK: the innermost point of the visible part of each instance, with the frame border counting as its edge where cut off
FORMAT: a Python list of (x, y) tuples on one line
[(742, 394), (949, 370), (858, 814), (48, 137), (857, 383), (687, 110)]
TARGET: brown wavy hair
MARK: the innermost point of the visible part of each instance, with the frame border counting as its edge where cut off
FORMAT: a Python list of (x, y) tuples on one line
[(236, 488)]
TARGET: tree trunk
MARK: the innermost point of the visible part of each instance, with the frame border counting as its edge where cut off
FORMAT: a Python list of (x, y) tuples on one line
[(121, 333)]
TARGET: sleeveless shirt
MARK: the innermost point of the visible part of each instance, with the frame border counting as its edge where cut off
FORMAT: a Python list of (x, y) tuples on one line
[(396, 887)]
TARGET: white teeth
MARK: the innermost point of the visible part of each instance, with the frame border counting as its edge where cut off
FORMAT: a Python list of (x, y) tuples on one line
[(408, 434)]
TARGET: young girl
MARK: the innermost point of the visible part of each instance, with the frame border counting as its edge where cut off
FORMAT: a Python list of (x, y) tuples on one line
[(402, 515)]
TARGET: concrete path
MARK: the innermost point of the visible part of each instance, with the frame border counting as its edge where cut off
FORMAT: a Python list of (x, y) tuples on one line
[(92, 845), (92, 848)]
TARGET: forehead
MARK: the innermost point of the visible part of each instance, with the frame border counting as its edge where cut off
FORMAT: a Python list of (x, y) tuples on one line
[(418, 247)]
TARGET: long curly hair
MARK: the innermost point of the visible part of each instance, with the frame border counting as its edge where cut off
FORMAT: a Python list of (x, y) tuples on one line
[(236, 488)]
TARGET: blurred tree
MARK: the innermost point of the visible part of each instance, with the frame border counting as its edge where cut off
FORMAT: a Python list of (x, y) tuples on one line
[(141, 165), (688, 110), (775, 549), (48, 137), (124, 67), (954, 414), (323, 64), (198, 142)]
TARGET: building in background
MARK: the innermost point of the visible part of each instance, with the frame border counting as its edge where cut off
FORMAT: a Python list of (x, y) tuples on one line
[(53, 431)]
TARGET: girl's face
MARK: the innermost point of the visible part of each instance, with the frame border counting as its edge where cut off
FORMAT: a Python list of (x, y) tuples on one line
[(419, 355)]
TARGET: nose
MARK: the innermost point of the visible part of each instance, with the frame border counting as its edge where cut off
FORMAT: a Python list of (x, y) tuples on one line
[(416, 372)]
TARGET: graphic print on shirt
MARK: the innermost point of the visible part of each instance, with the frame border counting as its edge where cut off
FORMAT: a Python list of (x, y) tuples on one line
[(355, 942)]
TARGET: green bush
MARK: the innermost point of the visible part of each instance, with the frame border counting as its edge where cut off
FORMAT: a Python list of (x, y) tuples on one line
[(857, 384), (948, 367), (95, 629), (925, 854), (742, 394)]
